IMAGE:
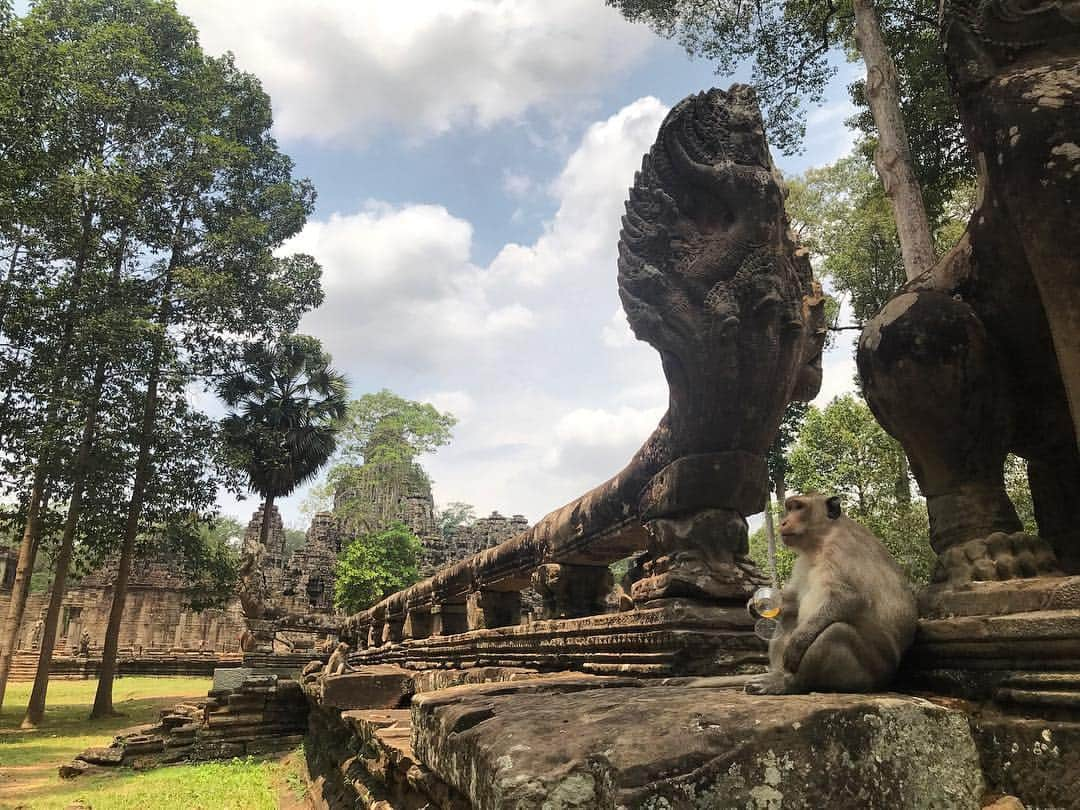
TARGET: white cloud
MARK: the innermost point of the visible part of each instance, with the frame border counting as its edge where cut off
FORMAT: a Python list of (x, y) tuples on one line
[(591, 190), (342, 69), (547, 407), (616, 333), (599, 442), (458, 403), (516, 185), (400, 287)]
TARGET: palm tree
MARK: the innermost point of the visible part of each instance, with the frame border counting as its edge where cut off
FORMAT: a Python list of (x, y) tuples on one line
[(286, 404)]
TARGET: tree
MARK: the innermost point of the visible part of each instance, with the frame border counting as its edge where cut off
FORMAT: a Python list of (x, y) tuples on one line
[(452, 516), (386, 427), (841, 215), (776, 458), (841, 450), (287, 405), (374, 565), (383, 435), (294, 539), (209, 555), (791, 44), (157, 162)]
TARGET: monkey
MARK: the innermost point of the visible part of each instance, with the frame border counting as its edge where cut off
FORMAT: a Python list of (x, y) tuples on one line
[(847, 614), (339, 661)]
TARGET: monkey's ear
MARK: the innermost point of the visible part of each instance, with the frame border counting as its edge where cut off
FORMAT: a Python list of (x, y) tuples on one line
[(832, 507)]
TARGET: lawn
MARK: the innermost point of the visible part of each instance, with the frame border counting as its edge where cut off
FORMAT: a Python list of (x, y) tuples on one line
[(29, 759)]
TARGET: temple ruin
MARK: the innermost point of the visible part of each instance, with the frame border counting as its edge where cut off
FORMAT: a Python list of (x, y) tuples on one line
[(455, 696), (161, 634)]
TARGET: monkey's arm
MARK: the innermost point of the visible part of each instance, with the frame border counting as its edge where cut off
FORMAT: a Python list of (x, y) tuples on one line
[(841, 605)]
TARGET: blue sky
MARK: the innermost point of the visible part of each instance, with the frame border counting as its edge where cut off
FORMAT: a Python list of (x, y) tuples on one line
[(471, 159)]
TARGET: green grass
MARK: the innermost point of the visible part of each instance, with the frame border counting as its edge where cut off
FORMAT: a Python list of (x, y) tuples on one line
[(29, 759)]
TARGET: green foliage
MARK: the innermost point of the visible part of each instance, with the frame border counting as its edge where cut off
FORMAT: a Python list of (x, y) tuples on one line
[(776, 457), (843, 451), (294, 539), (385, 428), (209, 556), (841, 214), (287, 404), (759, 548), (452, 516), (793, 47), (1019, 491), (374, 565)]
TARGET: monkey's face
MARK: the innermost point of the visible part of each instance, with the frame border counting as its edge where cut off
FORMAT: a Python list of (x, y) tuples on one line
[(808, 518)]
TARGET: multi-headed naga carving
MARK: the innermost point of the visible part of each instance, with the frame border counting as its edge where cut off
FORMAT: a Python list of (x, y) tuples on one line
[(980, 356), (710, 277)]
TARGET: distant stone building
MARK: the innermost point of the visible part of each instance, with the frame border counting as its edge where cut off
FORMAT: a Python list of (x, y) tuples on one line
[(300, 584), (389, 493), (155, 621), (463, 541)]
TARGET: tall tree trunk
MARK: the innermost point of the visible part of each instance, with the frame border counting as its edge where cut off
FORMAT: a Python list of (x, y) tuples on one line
[(781, 490), (103, 703), (264, 529), (893, 155), (32, 530), (20, 590), (9, 281), (35, 711), (770, 535)]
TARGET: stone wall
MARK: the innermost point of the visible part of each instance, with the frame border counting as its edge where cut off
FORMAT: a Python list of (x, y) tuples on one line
[(155, 618), (464, 541)]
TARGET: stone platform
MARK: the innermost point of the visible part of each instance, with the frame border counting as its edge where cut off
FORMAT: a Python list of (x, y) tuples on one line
[(1015, 642), (572, 740)]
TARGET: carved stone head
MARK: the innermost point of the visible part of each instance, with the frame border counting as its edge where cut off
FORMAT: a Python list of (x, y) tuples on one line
[(710, 277)]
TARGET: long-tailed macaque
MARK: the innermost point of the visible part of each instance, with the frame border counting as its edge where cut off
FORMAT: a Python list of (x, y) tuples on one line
[(339, 661), (847, 614)]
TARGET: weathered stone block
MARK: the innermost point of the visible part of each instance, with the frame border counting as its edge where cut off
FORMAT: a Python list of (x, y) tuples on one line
[(74, 769), (659, 747), (374, 687), (230, 678), (217, 749), (1036, 760), (102, 756)]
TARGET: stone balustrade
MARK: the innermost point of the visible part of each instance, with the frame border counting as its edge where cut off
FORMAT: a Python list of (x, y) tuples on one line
[(709, 275)]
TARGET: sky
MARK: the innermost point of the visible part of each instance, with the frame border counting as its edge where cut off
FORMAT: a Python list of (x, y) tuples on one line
[(472, 159)]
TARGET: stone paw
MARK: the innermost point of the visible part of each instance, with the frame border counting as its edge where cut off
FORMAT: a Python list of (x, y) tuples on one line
[(997, 558)]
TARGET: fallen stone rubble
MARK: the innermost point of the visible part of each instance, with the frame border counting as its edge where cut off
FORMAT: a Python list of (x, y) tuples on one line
[(246, 713)]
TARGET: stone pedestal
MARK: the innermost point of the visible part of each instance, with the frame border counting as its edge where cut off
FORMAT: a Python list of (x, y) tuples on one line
[(570, 591), (1015, 642), (486, 609), (694, 511)]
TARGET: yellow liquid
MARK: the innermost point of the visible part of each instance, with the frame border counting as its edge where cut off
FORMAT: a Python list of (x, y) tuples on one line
[(771, 613)]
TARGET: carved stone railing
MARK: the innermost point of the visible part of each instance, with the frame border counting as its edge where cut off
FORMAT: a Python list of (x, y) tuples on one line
[(709, 275)]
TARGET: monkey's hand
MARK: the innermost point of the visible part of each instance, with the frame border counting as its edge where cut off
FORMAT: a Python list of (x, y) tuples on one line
[(771, 683)]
